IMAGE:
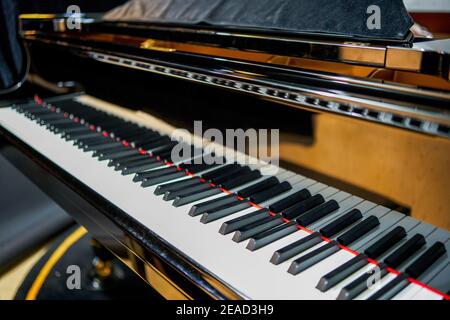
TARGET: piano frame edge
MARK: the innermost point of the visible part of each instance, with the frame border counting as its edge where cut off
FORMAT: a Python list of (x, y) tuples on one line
[(166, 269)]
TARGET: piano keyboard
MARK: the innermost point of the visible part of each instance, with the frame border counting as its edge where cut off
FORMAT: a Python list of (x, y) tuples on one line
[(268, 237)]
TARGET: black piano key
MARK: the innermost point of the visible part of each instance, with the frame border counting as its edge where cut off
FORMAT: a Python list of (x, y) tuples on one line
[(76, 136), (125, 152), (106, 152), (332, 278), (426, 260), (119, 161), (193, 168), (177, 185), (391, 289), (236, 223), (149, 141), (160, 149), (289, 201), (148, 182), (51, 116), (313, 257), (254, 228), (295, 248), (264, 238), (181, 201), (66, 128), (258, 187), (138, 160), (219, 171), (359, 230), (159, 142), (238, 173), (103, 145), (386, 242), (361, 284), (225, 210), (341, 223), (405, 251), (83, 143), (154, 173), (202, 207), (318, 213), (241, 180), (229, 173), (140, 167), (165, 156), (199, 186), (271, 192), (302, 207)]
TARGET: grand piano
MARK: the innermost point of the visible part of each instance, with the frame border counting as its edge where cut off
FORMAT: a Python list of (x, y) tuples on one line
[(122, 82)]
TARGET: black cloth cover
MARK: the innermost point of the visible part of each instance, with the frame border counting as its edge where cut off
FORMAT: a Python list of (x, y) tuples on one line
[(11, 61), (337, 17)]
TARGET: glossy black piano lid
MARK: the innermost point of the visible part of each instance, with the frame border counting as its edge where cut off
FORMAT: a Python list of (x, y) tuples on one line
[(339, 18)]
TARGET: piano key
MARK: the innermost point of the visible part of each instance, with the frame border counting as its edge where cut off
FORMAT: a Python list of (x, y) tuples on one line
[(254, 228), (313, 257), (225, 210), (359, 230), (410, 225), (202, 207), (124, 160), (299, 196), (163, 147), (386, 242), (318, 213), (346, 202), (125, 152), (236, 223), (232, 172), (360, 284), (302, 207), (177, 185), (112, 149), (199, 186), (271, 192), (405, 251), (219, 171), (138, 160), (437, 266), (76, 136), (387, 219), (341, 223), (141, 176), (181, 201), (421, 264), (260, 186), (343, 271), (103, 146), (295, 248), (141, 166), (391, 289), (264, 238), (241, 180), (160, 179), (441, 281)]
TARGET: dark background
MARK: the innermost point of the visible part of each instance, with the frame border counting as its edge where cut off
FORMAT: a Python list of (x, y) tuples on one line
[(11, 53)]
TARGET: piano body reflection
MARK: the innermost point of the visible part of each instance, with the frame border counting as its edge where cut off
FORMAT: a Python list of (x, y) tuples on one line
[(365, 130)]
